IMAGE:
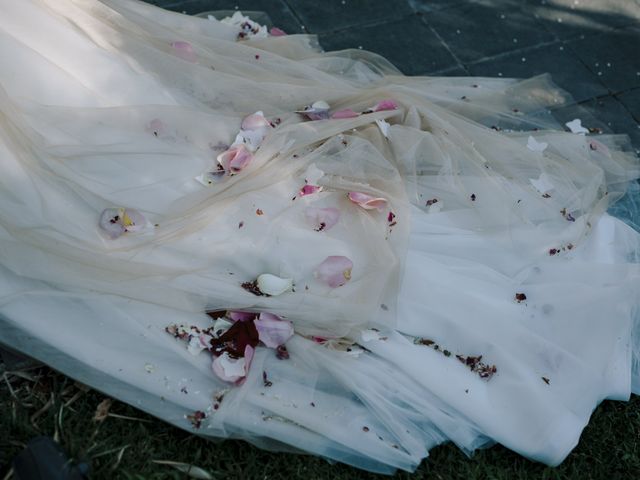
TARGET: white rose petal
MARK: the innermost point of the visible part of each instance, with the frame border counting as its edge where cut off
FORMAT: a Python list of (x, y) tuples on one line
[(536, 146), (272, 285), (576, 126)]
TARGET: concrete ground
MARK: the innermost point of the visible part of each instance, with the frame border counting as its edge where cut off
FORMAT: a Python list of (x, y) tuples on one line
[(591, 48)]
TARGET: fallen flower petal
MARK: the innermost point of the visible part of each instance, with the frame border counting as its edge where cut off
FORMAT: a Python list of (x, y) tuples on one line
[(271, 285), (273, 332), (322, 218), (387, 104), (229, 369), (276, 32), (241, 316), (185, 51), (335, 271), (536, 146), (309, 190), (576, 126), (235, 159), (346, 113), (367, 201), (111, 223), (255, 121)]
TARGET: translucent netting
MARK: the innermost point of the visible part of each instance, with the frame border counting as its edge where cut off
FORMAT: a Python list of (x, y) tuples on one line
[(100, 110)]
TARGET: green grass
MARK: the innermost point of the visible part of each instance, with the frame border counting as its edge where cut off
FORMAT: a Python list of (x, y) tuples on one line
[(42, 402)]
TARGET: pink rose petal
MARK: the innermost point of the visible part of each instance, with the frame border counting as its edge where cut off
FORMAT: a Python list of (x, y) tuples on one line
[(347, 113), (229, 369), (235, 159), (273, 332), (367, 201), (241, 316), (322, 219), (309, 190), (387, 104), (255, 121), (156, 126), (276, 32), (185, 51), (335, 271)]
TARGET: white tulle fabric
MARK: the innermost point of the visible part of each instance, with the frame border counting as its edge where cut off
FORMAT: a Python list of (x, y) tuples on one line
[(99, 109)]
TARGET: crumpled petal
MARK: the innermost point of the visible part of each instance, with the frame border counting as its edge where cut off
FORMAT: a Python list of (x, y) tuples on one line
[(367, 201), (575, 126), (386, 104), (536, 146), (273, 285), (230, 369), (346, 113), (255, 121), (276, 32), (335, 271), (272, 330), (241, 316), (235, 159), (111, 224), (309, 190), (117, 221), (322, 218), (185, 51)]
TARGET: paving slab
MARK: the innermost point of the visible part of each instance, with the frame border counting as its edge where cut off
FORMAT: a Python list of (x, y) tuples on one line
[(572, 18), (407, 43), (331, 15), (613, 56), (476, 30)]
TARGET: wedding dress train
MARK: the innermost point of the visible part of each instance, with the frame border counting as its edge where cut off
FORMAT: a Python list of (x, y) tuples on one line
[(429, 259)]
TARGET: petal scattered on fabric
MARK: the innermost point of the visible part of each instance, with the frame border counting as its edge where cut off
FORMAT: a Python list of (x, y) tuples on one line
[(156, 127), (387, 104), (369, 335), (255, 121), (273, 332), (335, 271), (309, 190), (367, 201), (276, 32), (241, 316), (185, 51), (346, 113), (536, 146), (235, 159), (322, 219), (596, 146), (272, 285), (317, 111), (576, 126), (229, 369), (117, 221), (542, 184)]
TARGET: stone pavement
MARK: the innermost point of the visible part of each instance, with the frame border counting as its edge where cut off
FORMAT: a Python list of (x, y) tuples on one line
[(591, 48)]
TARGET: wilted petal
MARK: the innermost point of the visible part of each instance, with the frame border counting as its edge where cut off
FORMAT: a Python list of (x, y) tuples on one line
[(255, 121), (322, 218), (366, 201), (346, 113), (185, 51), (387, 104), (110, 222), (276, 32), (334, 271), (309, 190), (536, 146), (241, 316), (273, 332), (575, 126), (272, 285), (229, 369)]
